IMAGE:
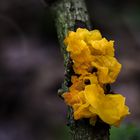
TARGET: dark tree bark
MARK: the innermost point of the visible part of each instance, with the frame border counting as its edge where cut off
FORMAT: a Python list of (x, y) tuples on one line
[(69, 15)]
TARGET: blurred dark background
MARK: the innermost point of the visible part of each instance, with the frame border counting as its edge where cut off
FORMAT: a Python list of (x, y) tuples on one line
[(31, 66)]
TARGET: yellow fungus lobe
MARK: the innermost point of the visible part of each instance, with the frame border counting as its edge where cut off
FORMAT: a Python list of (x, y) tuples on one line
[(94, 61)]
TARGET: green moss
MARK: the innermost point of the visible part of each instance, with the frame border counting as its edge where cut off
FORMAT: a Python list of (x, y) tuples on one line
[(125, 132)]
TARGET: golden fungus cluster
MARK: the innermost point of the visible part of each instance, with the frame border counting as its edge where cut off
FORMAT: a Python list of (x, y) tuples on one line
[(95, 64)]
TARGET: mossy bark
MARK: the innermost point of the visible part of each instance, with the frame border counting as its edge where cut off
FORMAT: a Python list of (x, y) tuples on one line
[(69, 15)]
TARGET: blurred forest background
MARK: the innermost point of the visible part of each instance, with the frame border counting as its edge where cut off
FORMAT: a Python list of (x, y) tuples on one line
[(31, 67)]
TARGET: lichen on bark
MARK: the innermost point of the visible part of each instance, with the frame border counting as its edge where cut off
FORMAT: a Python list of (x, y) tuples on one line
[(69, 15)]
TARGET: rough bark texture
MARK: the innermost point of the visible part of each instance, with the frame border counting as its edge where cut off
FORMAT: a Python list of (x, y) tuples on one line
[(69, 15)]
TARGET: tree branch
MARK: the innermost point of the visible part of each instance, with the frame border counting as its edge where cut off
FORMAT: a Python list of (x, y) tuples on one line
[(69, 15)]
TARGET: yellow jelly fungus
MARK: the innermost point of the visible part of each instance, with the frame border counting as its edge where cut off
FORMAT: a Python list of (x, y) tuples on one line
[(95, 64), (108, 68), (101, 47), (110, 108)]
